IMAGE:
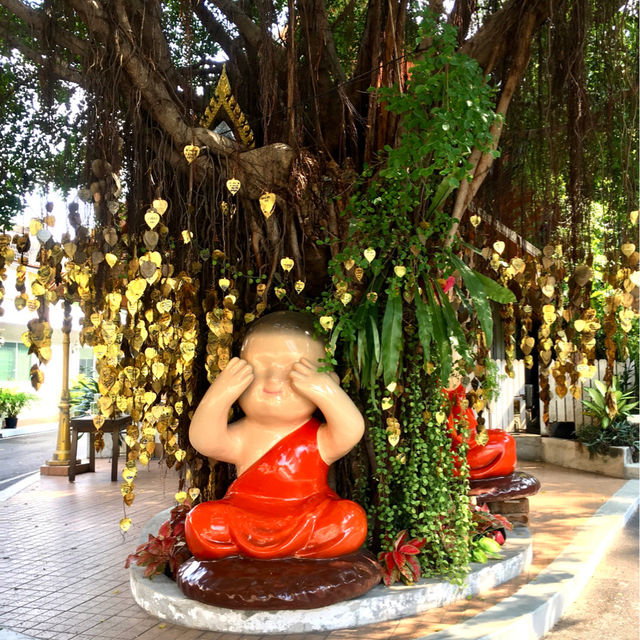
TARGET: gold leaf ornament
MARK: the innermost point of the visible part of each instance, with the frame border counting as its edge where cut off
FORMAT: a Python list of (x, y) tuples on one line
[(125, 525), (160, 205), (111, 259), (369, 254), (349, 264), (499, 247), (152, 217), (224, 283), (327, 322), (400, 270), (267, 204), (475, 220), (386, 403), (233, 185), (280, 292), (191, 152), (299, 286), (287, 264)]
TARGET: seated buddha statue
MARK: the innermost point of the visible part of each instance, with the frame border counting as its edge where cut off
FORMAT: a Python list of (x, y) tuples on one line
[(495, 458), (280, 505)]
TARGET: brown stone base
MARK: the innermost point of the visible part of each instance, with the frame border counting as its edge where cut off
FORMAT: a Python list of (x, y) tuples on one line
[(57, 470), (507, 495), (516, 511), (289, 583)]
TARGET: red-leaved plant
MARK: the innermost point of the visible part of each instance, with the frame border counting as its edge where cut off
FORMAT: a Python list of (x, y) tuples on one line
[(487, 524), (400, 563), (166, 550)]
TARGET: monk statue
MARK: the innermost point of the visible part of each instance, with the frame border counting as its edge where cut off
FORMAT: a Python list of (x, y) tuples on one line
[(280, 505), (496, 457)]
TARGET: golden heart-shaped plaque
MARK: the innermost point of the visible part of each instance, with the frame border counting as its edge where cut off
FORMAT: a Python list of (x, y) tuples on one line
[(326, 322), (287, 264), (160, 205), (267, 204), (234, 186), (152, 218), (400, 271), (191, 152)]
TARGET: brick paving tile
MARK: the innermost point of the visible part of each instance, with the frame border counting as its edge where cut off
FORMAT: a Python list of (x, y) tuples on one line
[(63, 576)]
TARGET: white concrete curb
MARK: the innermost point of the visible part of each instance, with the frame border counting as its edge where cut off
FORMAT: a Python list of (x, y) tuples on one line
[(17, 487), (162, 598), (534, 609)]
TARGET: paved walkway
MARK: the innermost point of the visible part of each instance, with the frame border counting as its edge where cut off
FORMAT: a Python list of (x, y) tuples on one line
[(62, 574)]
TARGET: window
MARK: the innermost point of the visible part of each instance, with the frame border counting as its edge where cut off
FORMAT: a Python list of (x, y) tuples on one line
[(14, 362), (86, 366)]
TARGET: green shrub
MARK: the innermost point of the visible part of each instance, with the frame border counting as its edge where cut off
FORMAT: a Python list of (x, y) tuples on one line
[(12, 402)]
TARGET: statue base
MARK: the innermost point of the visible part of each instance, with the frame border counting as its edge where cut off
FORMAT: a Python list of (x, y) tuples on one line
[(507, 495), (162, 598), (288, 583)]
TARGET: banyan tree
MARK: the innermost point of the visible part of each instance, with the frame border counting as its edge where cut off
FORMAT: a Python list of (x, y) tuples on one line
[(232, 157)]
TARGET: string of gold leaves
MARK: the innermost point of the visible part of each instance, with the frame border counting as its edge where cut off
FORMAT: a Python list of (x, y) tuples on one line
[(140, 317), (561, 301)]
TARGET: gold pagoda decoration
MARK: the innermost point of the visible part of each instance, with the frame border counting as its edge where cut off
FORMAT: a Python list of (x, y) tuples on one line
[(223, 103)]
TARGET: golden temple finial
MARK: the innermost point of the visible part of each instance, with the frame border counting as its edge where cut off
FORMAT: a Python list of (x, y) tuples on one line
[(223, 100)]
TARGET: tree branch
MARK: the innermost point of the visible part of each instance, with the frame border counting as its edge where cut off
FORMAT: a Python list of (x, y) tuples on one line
[(37, 21), (61, 69), (249, 30), (530, 16), (212, 26)]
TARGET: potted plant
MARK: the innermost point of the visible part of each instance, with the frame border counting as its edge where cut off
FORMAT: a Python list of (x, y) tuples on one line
[(609, 407), (11, 404)]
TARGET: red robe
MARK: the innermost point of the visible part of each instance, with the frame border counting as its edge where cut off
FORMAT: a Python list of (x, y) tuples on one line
[(280, 507), (494, 459)]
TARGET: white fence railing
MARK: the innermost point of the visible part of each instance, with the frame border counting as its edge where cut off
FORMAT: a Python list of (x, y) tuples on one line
[(569, 409)]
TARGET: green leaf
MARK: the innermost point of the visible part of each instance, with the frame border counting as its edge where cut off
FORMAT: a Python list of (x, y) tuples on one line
[(439, 335), (455, 330), (373, 327), (601, 387), (391, 343), (443, 191), (425, 330), (478, 297), (361, 347), (495, 291)]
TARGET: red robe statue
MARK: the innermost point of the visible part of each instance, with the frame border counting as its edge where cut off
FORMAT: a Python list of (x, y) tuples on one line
[(494, 459), (281, 506)]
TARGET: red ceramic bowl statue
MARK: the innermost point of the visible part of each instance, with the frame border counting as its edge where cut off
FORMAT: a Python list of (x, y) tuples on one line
[(495, 458)]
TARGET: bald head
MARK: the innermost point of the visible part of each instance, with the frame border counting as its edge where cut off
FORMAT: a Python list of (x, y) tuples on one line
[(284, 322)]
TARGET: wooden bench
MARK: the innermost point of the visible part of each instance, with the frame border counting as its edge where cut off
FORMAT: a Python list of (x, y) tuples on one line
[(85, 425)]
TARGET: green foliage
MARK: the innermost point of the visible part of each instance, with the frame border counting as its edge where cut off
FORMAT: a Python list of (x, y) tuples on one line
[(608, 405), (395, 327), (39, 143), (81, 395), (610, 408), (12, 402)]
